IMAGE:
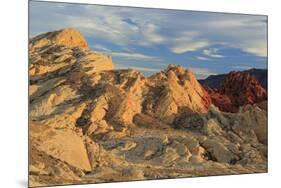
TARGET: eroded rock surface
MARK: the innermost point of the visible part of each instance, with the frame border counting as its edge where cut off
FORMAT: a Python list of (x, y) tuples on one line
[(91, 123)]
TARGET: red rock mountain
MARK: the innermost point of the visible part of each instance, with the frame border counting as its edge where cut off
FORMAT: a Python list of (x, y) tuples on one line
[(237, 89)]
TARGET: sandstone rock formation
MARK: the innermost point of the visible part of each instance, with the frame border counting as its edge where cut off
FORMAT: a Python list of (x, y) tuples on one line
[(174, 91), (66, 37), (243, 89), (92, 123), (237, 89)]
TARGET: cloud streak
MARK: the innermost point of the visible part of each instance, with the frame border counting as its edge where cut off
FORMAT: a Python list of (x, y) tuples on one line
[(134, 56), (100, 47), (203, 58), (212, 52), (188, 42)]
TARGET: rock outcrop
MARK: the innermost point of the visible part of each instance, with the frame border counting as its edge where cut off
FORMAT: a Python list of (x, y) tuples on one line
[(237, 89), (66, 37), (92, 123), (174, 91), (243, 89)]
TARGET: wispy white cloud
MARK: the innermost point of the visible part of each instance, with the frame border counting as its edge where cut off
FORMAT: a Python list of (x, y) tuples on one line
[(138, 56), (257, 47), (212, 52), (150, 35), (203, 58), (188, 41), (189, 46), (100, 47)]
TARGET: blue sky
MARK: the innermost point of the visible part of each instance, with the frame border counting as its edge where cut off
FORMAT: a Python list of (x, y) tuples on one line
[(150, 39)]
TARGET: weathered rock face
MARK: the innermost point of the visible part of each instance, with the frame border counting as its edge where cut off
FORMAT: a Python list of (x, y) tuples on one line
[(63, 144), (90, 123), (237, 89), (60, 52), (242, 89), (66, 37), (221, 100), (175, 91)]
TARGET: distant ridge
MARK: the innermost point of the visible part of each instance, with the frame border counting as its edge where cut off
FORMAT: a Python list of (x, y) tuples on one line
[(214, 81)]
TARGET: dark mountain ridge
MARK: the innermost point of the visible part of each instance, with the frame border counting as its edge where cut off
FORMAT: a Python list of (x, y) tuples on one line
[(215, 81)]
